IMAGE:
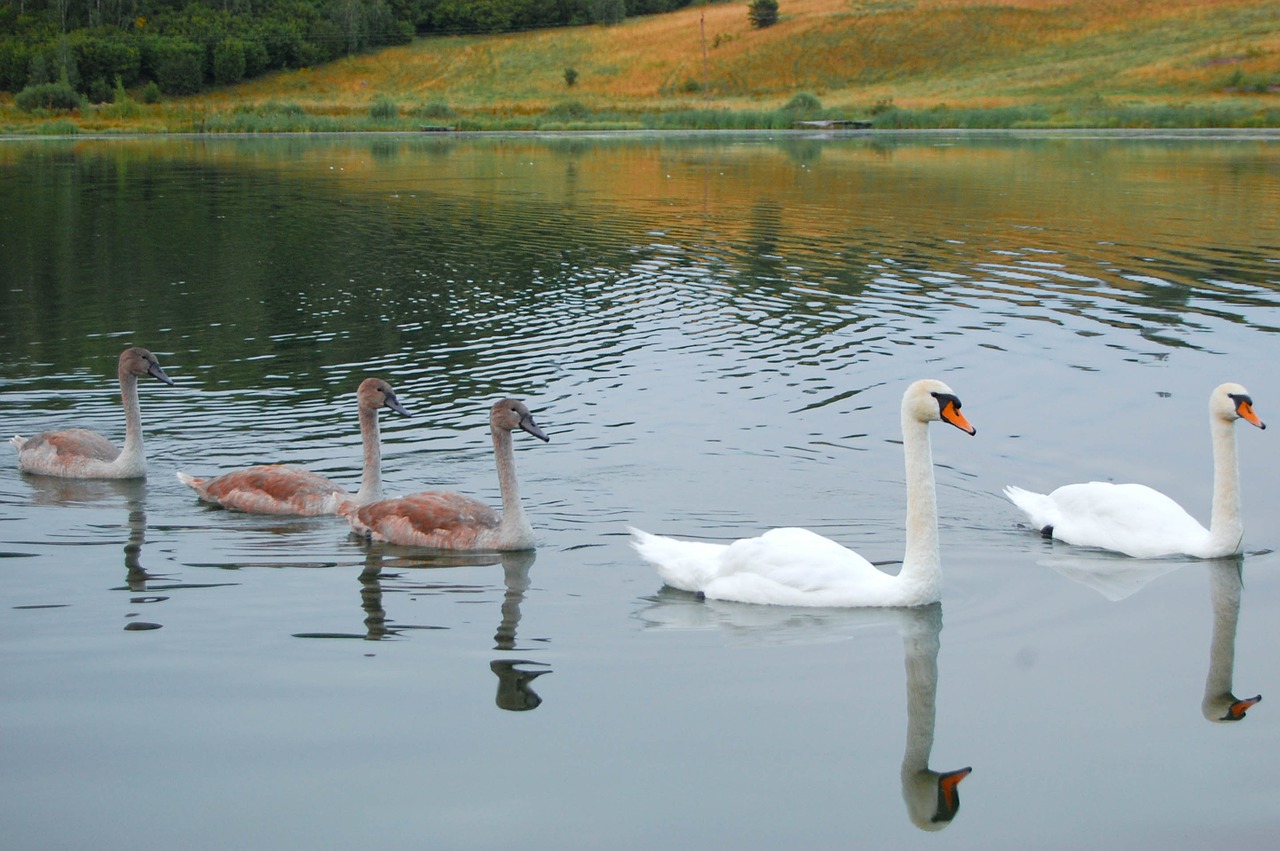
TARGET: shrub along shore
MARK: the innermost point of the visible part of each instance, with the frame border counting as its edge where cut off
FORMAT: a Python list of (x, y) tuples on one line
[(908, 64)]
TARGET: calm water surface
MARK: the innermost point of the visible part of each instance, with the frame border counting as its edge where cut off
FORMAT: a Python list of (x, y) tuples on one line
[(716, 333)]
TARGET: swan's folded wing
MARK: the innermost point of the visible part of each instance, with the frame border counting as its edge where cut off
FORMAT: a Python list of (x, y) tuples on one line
[(1129, 518), (430, 519), (799, 559)]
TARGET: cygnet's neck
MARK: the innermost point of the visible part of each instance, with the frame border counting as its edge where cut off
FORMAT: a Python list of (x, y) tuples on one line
[(131, 456), (514, 529), (371, 477), (1226, 527), (921, 565)]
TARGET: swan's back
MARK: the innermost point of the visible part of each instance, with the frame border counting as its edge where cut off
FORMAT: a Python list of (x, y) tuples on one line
[(271, 489), (53, 450), (785, 567), (435, 519), (1128, 518)]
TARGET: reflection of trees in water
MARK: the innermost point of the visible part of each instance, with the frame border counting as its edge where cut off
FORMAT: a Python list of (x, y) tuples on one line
[(305, 255)]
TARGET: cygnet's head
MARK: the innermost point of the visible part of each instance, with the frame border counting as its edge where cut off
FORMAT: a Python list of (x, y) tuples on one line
[(139, 361), (374, 393), (511, 414)]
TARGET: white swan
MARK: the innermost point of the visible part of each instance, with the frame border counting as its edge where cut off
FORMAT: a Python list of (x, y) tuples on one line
[(1144, 523), (78, 453), (796, 567), (285, 489), (446, 520)]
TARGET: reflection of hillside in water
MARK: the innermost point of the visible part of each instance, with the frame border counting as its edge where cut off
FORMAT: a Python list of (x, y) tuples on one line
[(932, 798), (834, 243)]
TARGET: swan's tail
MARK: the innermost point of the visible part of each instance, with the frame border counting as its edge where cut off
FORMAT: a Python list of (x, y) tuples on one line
[(1038, 507), (189, 481), (18, 441), (687, 565)]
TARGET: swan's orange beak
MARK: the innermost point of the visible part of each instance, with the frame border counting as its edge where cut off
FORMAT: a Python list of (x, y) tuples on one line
[(1245, 409), (1240, 707), (949, 794), (951, 413)]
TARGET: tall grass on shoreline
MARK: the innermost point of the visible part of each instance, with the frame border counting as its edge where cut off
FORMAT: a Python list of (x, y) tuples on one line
[(286, 117)]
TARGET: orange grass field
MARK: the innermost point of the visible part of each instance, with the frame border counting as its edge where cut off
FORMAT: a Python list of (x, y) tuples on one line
[(855, 56)]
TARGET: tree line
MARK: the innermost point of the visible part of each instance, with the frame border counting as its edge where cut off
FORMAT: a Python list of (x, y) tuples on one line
[(96, 48)]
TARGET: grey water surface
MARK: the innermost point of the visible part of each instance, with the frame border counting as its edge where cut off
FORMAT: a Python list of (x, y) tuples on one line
[(715, 332)]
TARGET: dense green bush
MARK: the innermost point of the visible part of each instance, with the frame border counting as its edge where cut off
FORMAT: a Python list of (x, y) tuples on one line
[(59, 95), (103, 54), (229, 61), (762, 13), (176, 64), (15, 64), (804, 103)]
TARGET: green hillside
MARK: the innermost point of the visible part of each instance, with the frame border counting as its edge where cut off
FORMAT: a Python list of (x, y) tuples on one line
[(898, 63)]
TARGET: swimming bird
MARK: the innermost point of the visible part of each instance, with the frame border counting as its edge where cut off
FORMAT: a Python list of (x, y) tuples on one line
[(797, 567), (77, 453), (1142, 522), (285, 489), (451, 521)]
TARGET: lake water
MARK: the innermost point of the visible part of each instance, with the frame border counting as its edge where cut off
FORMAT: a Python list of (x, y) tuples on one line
[(715, 331)]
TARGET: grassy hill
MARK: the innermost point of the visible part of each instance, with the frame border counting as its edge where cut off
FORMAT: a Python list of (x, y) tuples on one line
[(928, 63)]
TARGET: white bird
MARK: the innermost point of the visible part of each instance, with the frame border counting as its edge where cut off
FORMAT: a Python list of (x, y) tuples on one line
[(797, 567), (78, 453), (285, 489), (1142, 522)]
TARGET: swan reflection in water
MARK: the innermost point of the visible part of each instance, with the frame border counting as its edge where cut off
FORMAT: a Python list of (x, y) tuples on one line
[(932, 797), (1226, 580), (515, 692), (1116, 578), (50, 490), (55, 491)]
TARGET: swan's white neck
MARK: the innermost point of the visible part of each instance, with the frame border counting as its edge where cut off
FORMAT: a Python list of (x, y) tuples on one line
[(371, 477), (131, 459), (514, 531), (1226, 527), (922, 563)]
